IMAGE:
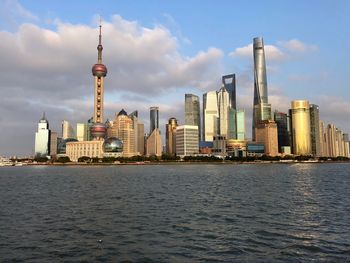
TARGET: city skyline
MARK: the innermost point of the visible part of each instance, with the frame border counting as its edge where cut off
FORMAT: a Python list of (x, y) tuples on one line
[(22, 111)]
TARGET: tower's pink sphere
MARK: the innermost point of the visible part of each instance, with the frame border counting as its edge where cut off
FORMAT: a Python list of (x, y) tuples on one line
[(99, 70)]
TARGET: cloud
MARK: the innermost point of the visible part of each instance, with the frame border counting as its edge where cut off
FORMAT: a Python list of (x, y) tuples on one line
[(271, 52), (281, 51), (296, 46)]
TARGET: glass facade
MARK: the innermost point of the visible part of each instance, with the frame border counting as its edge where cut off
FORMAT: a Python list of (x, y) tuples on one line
[(192, 111), (281, 120), (241, 133), (154, 119), (261, 109), (229, 82), (315, 130)]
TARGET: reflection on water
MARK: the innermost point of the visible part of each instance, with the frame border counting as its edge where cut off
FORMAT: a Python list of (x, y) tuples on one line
[(175, 213)]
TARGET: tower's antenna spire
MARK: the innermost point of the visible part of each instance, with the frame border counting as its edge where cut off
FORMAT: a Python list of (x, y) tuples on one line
[(99, 47)]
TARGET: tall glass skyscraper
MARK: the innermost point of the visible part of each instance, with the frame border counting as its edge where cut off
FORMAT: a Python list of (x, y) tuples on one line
[(261, 108), (281, 120), (154, 119), (240, 115), (229, 82), (192, 111), (315, 130)]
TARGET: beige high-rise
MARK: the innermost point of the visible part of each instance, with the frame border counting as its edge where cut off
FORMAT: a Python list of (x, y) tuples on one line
[(154, 143), (122, 128), (266, 133), (300, 128)]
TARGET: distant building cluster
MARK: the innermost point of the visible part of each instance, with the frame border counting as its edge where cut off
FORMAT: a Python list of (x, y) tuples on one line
[(220, 130)]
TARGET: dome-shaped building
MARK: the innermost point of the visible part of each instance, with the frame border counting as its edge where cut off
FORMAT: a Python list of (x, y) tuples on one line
[(112, 147)]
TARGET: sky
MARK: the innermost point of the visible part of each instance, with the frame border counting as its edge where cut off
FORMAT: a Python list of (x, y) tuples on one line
[(156, 51)]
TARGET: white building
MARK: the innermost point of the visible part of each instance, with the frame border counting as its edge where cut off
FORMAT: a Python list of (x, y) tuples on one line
[(210, 115), (67, 130), (42, 138), (82, 132), (187, 140), (223, 106)]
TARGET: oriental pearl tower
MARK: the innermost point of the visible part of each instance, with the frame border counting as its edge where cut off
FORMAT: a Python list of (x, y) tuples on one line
[(99, 71)]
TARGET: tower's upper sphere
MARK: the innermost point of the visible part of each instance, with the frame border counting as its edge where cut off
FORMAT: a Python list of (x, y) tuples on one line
[(99, 70), (98, 130)]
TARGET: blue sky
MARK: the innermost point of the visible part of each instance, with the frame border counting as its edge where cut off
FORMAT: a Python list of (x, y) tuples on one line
[(175, 47)]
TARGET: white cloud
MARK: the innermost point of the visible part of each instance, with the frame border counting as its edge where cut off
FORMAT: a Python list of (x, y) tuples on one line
[(271, 52), (296, 46)]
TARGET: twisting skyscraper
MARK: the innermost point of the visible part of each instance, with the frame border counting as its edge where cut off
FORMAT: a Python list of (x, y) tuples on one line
[(192, 111), (261, 108), (99, 71)]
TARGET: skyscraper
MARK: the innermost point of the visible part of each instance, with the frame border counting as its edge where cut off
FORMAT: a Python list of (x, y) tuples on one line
[(170, 136), (315, 130), (229, 82), (223, 105), (281, 120), (266, 133), (300, 127), (123, 129), (154, 143), (187, 140), (192, 111), (42, 138), (67, 130), (154, 118), (82, 132), (241, 130), (210, 115), (99, 71), (261, 108)]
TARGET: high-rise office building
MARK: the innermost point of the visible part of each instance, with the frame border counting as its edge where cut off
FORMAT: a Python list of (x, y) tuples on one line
[(139, 131), (241, 128), (170, 136), (232, 124), (67, 130), (154, 119), (266, 133), (316, 147), (192, 111), (123, 129), (323, 138), (281, 120), (331, 135), (261, 107), (229, 82), (300, 127), (187, 140), (154, 143), (53, 144), (99, 71), (42, 138), (210, 115), (82, 132), (223, 106)]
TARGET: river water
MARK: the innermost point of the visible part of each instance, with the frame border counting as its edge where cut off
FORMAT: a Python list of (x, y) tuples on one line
[(175, 213)]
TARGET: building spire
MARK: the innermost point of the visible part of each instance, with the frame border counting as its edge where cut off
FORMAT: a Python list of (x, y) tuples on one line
[(99, 47)]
